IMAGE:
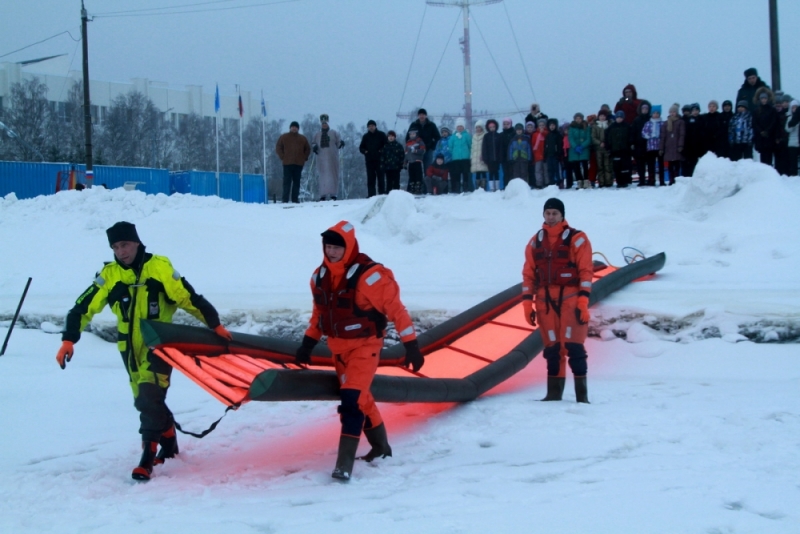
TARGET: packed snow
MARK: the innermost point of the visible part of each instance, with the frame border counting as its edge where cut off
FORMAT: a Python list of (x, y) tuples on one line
[(694, 424)]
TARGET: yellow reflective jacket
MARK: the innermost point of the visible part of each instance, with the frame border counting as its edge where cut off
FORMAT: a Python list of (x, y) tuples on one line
[(154, 291)]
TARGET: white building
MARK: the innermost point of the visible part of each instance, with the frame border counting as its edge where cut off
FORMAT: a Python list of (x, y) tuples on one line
[(177, 103)]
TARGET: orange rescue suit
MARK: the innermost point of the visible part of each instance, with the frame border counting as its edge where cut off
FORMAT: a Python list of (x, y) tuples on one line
[(558, 270), (355, 329)]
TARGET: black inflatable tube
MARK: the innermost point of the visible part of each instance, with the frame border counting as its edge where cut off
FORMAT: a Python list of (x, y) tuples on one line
[(285, 385)]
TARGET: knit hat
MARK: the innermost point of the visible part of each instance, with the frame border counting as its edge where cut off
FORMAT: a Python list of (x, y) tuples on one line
[(656, 109), (422, 111), (714, 102), (491, 121), (787, 98), (294, 124), (727, 103), (694, 106), (507, 120), (541, 121), (461, 122), (554, 204), (686, 107), (674, 107), (619, 114), (391, 133), (371, 123), (602, 112), (412, 130), (529, 123), (741, 104), (750, 72), (122, 231), (331, 237), (480, 124), (578, 114), (323, 117), (440, 156), (444, 129), (519, 126), (794, 103)]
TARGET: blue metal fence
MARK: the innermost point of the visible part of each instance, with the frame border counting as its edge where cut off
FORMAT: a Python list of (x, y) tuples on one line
[(28, 180)]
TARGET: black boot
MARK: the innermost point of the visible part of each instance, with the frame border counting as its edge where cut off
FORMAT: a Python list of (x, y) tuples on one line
[(169, 446), (581, 393), (145, 468), (555, 388), (348, 445), (379, 442)]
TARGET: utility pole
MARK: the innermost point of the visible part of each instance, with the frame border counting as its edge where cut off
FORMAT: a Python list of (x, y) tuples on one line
[(467, 69), (774, 45), (87, 102)]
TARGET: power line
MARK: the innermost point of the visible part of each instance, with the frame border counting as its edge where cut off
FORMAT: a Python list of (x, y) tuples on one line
[(441, 58), (524, 67), (495, 62), (40, 42), (154, 13), (413, 55), (148, 9)]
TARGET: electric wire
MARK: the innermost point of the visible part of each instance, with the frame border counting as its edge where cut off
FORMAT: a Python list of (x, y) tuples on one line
[(440, 60), (413, 55), (153, 13), (196, 4), (495, 62), (66, 76), (522, 60), (40, 42)]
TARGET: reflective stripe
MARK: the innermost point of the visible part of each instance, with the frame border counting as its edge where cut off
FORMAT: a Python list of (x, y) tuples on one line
[(568, 333), (565, 234), (322, 271), (353, 327), (551, 335), (374, 277), (99, 281), (347, 227), (579, 242), (586, 284), (566, 275), (176, 275), (353, 270), (541, 235), (407, 331), (344, 378), (525, 288)]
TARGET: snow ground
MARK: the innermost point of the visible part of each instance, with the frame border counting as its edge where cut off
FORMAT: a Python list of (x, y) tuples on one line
[(692, 426)]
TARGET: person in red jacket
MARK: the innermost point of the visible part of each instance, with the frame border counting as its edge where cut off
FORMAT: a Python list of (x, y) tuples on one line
[(354, 298), (558, 273), (629, 103)]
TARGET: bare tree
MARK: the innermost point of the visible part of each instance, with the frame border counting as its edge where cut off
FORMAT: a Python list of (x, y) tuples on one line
[(136, 134), (352, 168), (28, 118), (309, 182), (195, 143)]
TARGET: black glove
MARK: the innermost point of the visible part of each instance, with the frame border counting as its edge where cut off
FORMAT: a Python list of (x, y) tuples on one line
[(303, 354), (341, 144), (315, 149), (414, 357)]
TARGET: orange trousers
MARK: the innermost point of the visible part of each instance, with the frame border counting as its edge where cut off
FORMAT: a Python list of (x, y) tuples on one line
[(355, 369), (562, 333)]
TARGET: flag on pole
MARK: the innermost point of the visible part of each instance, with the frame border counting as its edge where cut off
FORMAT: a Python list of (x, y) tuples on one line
[(216, 100), (263, 106), (241, 107)]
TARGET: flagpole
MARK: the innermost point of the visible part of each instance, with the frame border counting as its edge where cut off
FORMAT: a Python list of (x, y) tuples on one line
[(264, 145), (216, 124), (241, 153)]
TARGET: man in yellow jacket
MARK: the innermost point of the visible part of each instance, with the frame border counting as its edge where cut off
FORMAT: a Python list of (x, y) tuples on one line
[(139, 285)]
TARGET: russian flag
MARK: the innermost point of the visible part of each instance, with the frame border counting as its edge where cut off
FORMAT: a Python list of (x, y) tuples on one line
[(241, 107), (263, 106), (216, 100)]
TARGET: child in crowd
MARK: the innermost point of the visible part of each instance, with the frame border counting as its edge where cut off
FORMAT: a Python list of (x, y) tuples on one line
[(553, 152), (694, 144), (519, 154), (530, 130), (580, 140), (436, 176), (793, 139), (538, 140), (415, 151), (566, 168), (392, 157), (461, 150), (740, 132), (619, 141), (590, 120), (605, 176), (651, 134), (492, 153), (443, 145), (477, 166), (673, 134)]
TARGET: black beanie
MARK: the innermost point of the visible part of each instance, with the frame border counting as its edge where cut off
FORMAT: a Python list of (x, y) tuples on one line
[(122, 231), (331, 237), (750, 72), (554, 204), (295, 123), (371, 123)]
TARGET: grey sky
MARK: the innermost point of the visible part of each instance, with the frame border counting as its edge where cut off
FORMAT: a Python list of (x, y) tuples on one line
[(350, 58)]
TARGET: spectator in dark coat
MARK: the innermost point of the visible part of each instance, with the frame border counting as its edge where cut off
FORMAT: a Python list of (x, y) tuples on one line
[(293, 150), (619, 141), (392, 157), (765, 119), (714, 131), (781, 135), (639, 143), (535, 115), (507, 135), (747, 91), (793, 137), (673, 135), (723, 148), (694, 144), (493, 153), (372, 144), (629, 103), (553, 152), (428, 133), (740, 133)]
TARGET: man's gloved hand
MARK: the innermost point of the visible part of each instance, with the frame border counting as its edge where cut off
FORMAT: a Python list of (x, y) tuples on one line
[(222, 332), (582, 311), (65, 353), (530, 313), (303, 354), (414, 357)]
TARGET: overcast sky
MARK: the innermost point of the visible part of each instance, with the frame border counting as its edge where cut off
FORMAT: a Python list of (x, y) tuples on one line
[(350, 58)]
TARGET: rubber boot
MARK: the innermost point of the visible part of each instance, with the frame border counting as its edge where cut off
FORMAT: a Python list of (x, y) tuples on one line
[(348, 445), (555, 388), (169, 446), (145, 468), (581, 393), (378, 440)]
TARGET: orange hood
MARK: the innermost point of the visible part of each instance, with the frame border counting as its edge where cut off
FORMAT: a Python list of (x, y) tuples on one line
[(348, 232)]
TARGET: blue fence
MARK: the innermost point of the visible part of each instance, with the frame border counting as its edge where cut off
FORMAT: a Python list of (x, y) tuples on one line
[(29, 180)]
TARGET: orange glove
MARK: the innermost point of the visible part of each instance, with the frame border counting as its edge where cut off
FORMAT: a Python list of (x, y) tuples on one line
[(582, 311), (222, 332), (65, 353), (530, 313)]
